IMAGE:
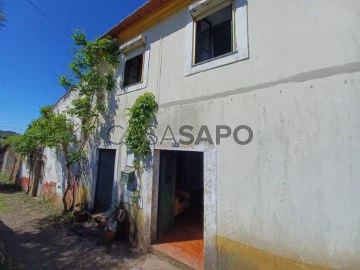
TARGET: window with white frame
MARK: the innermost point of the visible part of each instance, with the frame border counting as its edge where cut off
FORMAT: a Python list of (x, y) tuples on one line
[(216, 34), (133, 72)]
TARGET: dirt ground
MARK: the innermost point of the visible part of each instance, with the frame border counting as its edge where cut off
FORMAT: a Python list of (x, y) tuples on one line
[(33, 235)]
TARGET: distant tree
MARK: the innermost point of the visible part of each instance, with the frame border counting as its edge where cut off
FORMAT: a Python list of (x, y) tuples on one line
[(2, 15), (49, 130), (3, 135)]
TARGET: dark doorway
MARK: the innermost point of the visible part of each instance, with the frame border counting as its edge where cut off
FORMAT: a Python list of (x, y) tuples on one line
[(105, 180), (181, 189), (181, 205)]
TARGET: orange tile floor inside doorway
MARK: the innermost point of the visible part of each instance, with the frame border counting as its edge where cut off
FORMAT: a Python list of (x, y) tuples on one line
[(184, 243)]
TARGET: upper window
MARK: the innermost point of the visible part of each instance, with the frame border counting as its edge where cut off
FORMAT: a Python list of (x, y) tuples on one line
[(133, 70), (214, 35), (134, 64)]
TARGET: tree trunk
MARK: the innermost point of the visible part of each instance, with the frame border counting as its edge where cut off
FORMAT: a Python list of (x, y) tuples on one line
[(31, 172), (35, 178), (69, 186)]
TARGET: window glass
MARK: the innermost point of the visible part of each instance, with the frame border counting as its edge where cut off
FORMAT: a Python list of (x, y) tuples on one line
[(133, 70), (214, 35)]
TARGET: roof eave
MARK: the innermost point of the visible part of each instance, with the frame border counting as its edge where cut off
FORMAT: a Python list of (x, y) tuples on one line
[(144, 17)]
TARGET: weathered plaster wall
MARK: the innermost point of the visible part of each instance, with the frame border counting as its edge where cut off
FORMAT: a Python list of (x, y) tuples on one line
[(23, 179), (293, 191), (10, 164), (55, 165), (234, 255), (55, 171)]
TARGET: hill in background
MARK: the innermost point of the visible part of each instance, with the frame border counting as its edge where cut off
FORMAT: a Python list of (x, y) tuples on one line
[(3, 135)]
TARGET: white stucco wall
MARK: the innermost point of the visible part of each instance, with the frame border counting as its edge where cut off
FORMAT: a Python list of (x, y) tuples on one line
[(24, 170), (55, 170), (294, 190)]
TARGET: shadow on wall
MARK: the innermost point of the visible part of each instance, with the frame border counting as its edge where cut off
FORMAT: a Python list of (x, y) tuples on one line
[(88, 177), (105, 130), (10, 163), (61, 168), (12, 171), (85, 173), (177, 22)]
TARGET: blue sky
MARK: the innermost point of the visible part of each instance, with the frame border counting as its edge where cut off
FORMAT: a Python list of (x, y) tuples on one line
[(34, 52)]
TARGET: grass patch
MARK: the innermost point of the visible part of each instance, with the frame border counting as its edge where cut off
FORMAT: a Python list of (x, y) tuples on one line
[(3, 206), (4, 177), (12, 197)]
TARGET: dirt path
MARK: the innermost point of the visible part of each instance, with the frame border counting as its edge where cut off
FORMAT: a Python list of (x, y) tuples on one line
[(34, 238)]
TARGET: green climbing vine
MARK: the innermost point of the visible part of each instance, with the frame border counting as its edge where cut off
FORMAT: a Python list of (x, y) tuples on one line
[(141, 114), (91, 77)]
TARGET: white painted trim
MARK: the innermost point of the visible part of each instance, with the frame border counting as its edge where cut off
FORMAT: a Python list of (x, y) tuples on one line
[(241, 50), (133, 44), (120, 76), (210, 198), (95, 175), (203, 8)]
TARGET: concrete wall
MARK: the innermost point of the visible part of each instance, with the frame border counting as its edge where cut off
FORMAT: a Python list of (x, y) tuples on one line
[(24, 175), (10, 164), (54, 182), (293, 191)]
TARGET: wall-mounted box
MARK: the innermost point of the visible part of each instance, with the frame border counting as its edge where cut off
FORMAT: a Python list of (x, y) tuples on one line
[(128, 177)]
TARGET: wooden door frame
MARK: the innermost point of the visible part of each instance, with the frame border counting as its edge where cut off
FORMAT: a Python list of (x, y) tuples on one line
[(210, 198)]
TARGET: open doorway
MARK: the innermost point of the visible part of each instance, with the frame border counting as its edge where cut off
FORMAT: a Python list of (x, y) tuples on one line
[(181, 206), (105, 180)]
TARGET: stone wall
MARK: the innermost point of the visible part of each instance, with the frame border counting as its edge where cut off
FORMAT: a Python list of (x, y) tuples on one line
[(10, 164)]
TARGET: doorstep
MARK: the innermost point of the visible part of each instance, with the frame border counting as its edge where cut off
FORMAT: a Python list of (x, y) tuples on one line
[(185, 254)]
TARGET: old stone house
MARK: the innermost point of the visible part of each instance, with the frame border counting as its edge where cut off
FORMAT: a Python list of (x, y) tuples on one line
[(275, 85)]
